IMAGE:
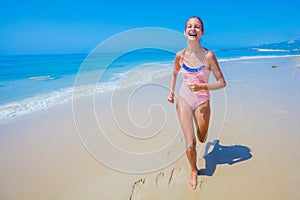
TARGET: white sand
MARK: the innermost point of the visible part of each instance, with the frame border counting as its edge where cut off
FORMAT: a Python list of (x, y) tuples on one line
[(43, 157)]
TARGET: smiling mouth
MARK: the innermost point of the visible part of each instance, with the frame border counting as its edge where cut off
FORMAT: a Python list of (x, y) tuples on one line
[(193, 34)]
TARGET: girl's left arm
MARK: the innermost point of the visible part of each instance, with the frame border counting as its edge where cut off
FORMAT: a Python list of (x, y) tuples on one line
[(215, 68)]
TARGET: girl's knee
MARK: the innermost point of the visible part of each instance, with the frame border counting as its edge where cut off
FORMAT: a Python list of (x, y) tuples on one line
[(202, 140), (191, 144), (202, 135)]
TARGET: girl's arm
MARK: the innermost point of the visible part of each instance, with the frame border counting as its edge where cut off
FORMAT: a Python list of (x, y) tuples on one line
[(174, 78)]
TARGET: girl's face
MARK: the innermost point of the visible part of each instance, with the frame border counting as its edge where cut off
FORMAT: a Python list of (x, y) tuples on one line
[(193, 30)]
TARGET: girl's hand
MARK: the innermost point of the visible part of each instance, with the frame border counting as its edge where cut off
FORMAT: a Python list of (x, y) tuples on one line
[(171, 97), (194, 87)]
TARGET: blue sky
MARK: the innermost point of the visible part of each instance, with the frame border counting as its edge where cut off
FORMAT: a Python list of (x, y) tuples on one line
[(37, 27)]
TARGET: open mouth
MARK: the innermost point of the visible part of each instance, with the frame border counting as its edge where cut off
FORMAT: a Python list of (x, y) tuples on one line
[(193, 34)]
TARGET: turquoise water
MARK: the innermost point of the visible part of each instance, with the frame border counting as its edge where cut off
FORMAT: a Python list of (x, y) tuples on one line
[(27, 75), (34, 82)]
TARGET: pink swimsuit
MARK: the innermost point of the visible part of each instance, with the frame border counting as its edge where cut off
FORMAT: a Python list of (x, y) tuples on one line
[(194, 75)]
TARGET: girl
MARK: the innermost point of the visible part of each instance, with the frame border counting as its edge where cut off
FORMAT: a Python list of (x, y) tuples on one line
[(193, 102)]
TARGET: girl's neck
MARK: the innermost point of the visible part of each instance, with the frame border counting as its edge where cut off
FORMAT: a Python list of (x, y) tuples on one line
[(193, 46)]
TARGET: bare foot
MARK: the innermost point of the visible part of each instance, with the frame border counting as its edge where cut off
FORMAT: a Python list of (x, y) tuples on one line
[(192, 182)]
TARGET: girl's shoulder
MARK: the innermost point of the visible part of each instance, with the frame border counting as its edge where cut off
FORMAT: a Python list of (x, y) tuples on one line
[(210, 54), (180, 53), (179, 56)]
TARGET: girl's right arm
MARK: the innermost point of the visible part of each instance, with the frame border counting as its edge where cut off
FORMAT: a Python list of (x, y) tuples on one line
[(174, 78)]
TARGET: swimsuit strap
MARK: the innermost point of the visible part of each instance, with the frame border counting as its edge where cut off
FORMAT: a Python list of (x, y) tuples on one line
[(206, 52)]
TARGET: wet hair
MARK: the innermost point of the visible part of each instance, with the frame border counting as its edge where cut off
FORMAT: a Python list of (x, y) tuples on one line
[(202, 24)]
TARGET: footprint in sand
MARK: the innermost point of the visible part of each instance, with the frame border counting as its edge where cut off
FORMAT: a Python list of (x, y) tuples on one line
[(136, 188), (174, 174), (200, 182), (159, 179)]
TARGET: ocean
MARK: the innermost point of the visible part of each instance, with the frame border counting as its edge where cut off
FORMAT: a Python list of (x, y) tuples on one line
[(29, 83)]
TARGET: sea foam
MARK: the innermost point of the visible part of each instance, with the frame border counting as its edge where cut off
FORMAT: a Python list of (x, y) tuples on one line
[(137, 75)]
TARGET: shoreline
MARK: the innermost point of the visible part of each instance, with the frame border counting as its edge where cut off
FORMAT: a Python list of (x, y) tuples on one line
[(13, 109)]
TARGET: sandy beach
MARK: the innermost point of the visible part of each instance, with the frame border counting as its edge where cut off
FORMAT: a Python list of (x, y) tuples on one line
[(128, 144)]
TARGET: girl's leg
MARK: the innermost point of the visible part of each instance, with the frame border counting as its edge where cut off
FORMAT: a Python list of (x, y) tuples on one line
[(202, 116), (185, 116)]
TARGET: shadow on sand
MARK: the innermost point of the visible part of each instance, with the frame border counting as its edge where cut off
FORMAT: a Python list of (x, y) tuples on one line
[(223, 155)]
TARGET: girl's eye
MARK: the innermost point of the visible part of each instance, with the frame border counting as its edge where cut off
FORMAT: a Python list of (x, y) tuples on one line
[(195, 26)]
